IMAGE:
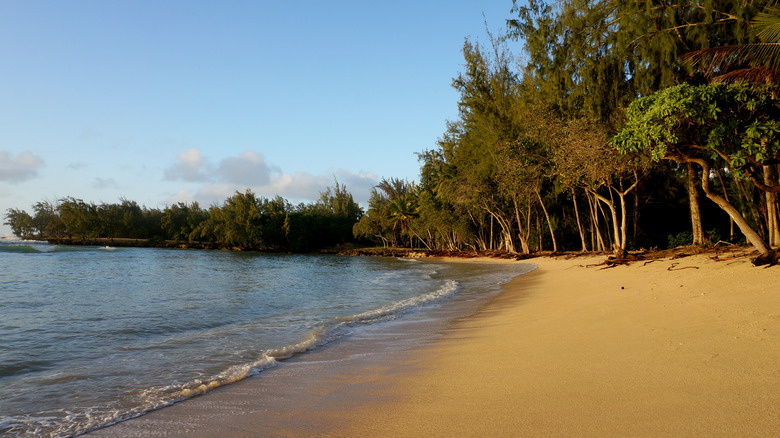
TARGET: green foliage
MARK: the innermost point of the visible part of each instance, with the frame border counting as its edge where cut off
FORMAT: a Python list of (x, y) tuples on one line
[(21, 223), (393, 207), (684, 238), (244, 221), (736, 122), (591, 58), (179, 221), (714, 236), (45, 220)]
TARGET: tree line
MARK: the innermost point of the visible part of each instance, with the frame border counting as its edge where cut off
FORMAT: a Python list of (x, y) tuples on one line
[(243, 221), (603, 133)]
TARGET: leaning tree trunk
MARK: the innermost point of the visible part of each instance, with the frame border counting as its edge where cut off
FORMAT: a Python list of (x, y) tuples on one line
[(549, 224), (598, 244), (726, 195), (773, 232), (579, 223), (506, 230), (615, 227), (693, 199), (524, 232), (766, 253)]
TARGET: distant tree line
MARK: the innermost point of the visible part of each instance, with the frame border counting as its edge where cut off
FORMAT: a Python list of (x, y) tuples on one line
[(243, 221), (603, 133)]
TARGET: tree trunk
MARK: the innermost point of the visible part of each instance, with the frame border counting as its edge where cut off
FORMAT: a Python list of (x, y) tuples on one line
[(522, 235), (549, 224), (750, 234), (608, 242), (773, 232), (623, 225), (613, 211), (636, 216), (750, 205), (594, 217), (506, 230), (693, 200), (579, 223), (593, 241), (539, 232), (491, 231), (726, 195), (619, 227)]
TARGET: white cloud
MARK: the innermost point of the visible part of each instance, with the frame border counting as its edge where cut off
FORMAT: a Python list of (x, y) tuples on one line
[(306, 186), (190, 166), (216, 193), (184, 195), (25, 166), (359, 184), (250, 170)]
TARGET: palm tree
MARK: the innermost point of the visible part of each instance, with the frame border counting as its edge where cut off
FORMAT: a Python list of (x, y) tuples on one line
[(402, 210), (757, 62)]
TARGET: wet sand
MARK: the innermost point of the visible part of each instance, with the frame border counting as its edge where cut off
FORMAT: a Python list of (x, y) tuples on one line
[(686, 347)]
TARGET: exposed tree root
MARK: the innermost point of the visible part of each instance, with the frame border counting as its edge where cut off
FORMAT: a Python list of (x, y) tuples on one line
[(768, 259)]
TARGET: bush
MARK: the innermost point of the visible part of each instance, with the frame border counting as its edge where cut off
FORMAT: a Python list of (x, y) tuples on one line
[(713, 236), (680, 239)]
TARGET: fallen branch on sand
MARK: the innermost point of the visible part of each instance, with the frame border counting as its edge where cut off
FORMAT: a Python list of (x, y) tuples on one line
[(672, 268)]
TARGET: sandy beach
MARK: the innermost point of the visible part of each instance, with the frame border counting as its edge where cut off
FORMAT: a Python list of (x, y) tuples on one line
[(672, 347)]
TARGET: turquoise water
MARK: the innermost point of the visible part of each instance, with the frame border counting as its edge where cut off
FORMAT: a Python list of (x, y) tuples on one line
[(90, 336)]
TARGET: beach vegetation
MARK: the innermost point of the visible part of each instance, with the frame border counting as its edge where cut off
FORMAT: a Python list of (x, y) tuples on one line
[(538, 157), (734, 127), (244, 221), (21, 223)]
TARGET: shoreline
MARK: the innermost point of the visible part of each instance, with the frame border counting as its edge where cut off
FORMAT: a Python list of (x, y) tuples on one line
[(261, 405), (670, 347)]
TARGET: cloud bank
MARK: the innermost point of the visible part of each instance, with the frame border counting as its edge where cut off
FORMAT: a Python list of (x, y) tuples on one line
[(15, 170), (250, 170)]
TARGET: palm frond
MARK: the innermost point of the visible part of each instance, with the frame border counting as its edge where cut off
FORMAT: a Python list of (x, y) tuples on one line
[(715, 60), (764, 54), (755, 75), (767, 25), (744, 61)]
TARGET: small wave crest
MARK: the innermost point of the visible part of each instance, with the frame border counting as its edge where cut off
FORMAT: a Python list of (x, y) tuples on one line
[(398, 308), (22, 247), (39, 247), (156, 398), (315, 338)]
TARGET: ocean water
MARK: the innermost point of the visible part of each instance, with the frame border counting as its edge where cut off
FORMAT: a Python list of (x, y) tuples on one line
[(90, 336)]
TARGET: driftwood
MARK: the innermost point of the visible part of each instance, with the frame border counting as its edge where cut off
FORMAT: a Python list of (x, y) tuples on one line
[(612, 261)]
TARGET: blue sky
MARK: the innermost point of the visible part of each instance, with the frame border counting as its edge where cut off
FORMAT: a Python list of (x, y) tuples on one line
[(168, 101)]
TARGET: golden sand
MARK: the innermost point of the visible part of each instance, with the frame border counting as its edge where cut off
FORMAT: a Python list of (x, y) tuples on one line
[(686, 347)]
